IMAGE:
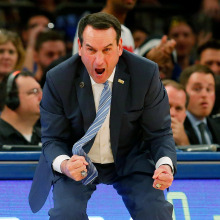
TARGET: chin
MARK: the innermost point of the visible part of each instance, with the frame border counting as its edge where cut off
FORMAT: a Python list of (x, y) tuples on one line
[(205, 114)]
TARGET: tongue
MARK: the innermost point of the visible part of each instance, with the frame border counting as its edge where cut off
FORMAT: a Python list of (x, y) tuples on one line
[(100, 71)]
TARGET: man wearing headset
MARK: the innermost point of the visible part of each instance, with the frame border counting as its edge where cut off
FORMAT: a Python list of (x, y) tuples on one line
[(21, 110)]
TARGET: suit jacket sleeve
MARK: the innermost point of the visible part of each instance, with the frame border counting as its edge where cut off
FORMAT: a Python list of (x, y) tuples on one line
[(56, 128), (156, 121)]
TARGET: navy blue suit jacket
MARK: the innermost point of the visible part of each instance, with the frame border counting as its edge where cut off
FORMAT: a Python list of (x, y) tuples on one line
[(140, 129)]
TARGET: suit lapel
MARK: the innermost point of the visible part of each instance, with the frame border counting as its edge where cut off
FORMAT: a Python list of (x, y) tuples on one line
[(119, 94), (190, 132), (85, 98), (214, 129)]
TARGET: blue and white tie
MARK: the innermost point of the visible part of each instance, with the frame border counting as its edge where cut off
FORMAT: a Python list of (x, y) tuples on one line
[(103, 109)]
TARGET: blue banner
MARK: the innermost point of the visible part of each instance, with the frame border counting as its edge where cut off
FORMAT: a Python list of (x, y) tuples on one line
[(192, 200)]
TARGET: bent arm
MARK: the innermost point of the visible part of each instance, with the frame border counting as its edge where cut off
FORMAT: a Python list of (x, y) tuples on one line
[(156, 122)]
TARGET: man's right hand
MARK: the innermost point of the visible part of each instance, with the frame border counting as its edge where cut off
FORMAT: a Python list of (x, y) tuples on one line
[(74, 166), (179, 134)]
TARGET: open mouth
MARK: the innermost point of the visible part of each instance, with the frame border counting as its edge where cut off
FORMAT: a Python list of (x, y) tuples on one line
[(204, 104), (100, 71)]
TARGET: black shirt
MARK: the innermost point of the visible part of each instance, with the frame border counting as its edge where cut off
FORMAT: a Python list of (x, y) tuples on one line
[(9, 135)]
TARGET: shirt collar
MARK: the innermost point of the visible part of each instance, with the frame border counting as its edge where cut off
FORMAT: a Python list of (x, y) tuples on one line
[(110, 79), (194, 120)]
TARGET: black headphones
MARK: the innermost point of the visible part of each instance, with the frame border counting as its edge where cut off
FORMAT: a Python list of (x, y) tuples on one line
[(12, 99)]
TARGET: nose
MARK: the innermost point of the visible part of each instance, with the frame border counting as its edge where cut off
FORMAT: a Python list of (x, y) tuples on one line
[(6, 55), (180, 39), (204, 92), (172, 112), (40, 95), (99, 58)]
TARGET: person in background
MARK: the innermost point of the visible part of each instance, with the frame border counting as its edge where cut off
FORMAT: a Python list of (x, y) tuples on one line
[(11, 52), (178, 101), (183, 32), (21, 110), (49, 46), (199, 83), (159, 49), (209, 55), (120, 9), (162, 51), (11, 57), (139, 34), (131, 148), (36, 22)]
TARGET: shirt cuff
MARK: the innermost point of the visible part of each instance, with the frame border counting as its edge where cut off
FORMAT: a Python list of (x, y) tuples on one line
[(163, 161), (57, 162)]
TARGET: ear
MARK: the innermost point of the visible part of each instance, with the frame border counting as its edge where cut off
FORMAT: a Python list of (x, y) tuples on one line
[(120, 48), (79, 47)]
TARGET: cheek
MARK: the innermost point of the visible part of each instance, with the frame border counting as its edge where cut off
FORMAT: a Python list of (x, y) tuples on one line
[(113, 60), (33, 104), (192, 95), (212, 98), (88, 61), (193, 100), (182, 117), (14, 59)]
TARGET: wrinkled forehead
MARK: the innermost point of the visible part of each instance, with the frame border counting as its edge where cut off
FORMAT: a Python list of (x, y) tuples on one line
[(100, 36)]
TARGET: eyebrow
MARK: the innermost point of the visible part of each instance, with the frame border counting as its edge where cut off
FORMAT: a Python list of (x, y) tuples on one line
[(200, 84), (88, 45)]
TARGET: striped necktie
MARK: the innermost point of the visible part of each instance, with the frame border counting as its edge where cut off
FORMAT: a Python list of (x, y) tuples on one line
[(103, 109)]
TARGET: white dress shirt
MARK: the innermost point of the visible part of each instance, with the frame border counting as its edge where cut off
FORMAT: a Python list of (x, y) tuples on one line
[(101, 151)]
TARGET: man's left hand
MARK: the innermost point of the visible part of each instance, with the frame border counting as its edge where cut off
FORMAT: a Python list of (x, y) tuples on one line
[(163, 177)]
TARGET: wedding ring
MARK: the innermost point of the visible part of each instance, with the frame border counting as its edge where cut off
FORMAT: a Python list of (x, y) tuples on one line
[(158, 185), (83, 173)]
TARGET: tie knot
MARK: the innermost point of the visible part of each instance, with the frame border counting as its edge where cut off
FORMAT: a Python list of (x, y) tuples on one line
[(202, 126), (106, 83)]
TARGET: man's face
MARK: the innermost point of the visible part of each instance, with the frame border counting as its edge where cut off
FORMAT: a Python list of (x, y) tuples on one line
[(48, 52), (100, 52), (166, 69), (177, 101), (8, 58), (211, 58), (36, 21), (201, 90), (139, 37), (184, 37), (30, 95)]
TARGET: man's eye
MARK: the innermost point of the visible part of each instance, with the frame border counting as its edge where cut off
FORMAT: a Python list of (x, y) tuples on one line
[(210, 89), (179, 109), (197, 89), (107, 49)]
